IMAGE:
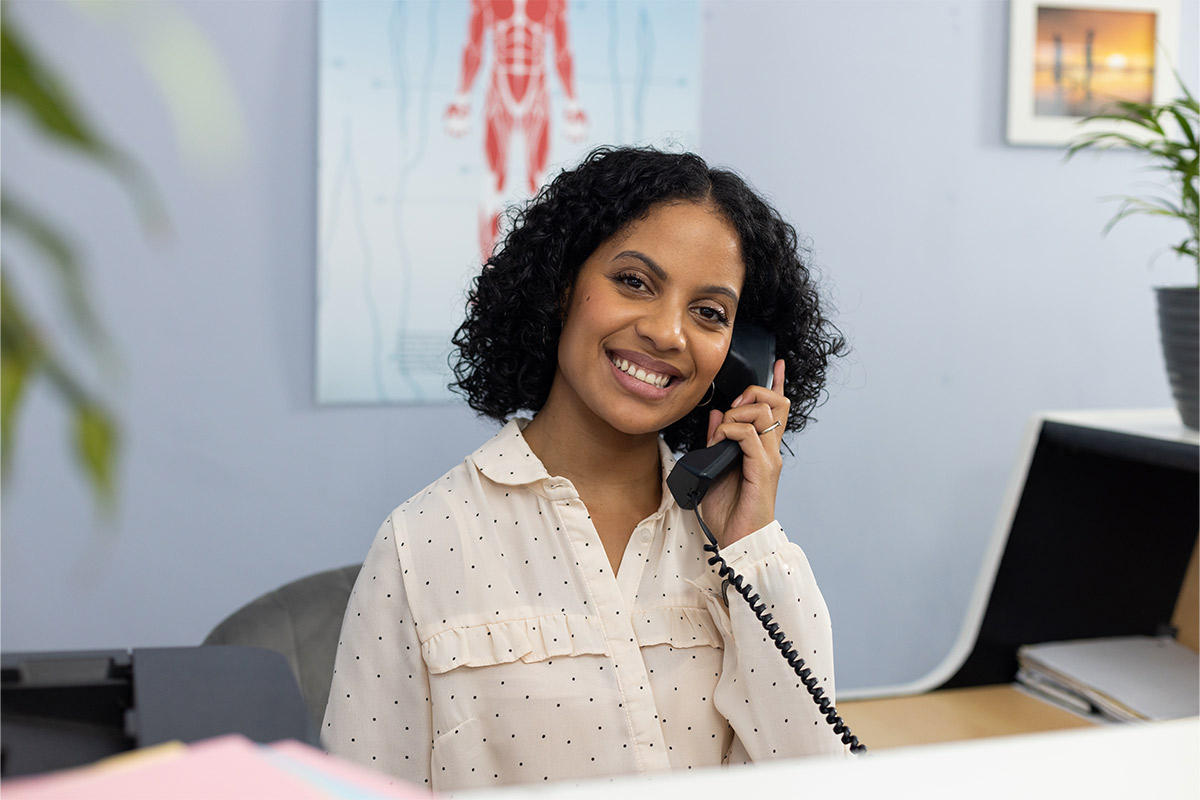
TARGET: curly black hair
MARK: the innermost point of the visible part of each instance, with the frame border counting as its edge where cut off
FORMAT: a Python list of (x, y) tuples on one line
[(507, 347)]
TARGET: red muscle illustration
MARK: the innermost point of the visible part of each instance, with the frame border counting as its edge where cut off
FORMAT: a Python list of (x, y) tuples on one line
[(517, 95)]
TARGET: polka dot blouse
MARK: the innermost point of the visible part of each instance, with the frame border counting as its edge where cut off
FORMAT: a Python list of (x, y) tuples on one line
[(487, 640)]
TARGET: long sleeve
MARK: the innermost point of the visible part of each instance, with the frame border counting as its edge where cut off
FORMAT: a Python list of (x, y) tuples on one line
[(379, 710), (771, 712)]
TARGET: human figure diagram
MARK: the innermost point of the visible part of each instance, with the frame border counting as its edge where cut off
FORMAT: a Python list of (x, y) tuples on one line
[(517, 95)]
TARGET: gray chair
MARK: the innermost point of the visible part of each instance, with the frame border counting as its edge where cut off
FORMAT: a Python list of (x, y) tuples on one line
[(302, 620)]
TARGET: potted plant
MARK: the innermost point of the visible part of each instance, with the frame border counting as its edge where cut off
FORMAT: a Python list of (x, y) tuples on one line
[(1166, 134)]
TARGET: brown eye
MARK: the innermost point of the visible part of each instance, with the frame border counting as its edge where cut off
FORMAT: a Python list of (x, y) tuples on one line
[(631, 280), (713, 314)]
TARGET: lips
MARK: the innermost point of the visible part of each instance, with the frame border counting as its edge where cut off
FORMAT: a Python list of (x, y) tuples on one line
[(658, 380)]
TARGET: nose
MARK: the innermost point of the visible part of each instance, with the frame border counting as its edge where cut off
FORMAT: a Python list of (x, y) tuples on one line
[(662, 327)]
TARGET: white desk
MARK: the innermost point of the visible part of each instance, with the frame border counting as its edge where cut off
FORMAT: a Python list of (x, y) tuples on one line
[(1160, 760), (1162, 430), (913, 715)]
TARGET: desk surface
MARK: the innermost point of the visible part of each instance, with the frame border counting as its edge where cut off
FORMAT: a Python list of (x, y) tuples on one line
[(1157, 758), (978, 712)]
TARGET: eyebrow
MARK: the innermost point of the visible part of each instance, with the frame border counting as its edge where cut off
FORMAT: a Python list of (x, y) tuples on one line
[(661, 274)]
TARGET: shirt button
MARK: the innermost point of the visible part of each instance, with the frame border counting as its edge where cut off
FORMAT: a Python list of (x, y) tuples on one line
[(646, 535)]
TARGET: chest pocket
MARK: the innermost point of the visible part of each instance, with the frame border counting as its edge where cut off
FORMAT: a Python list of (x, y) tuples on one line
[(678, 626), (529, 640)]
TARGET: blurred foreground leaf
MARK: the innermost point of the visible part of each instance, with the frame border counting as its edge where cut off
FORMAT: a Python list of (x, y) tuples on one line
[(198, 92), (26, 83), (96, 448)]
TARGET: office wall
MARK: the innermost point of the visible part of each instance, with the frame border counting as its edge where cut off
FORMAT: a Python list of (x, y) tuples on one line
[(970, 277)]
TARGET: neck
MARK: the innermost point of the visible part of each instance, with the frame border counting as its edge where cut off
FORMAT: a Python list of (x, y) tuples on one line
[(594, 456)]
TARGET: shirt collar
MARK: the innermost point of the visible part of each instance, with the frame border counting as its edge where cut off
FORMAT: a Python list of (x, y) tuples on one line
[(507, 460)]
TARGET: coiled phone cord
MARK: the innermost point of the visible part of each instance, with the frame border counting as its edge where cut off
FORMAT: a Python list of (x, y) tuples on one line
[(779, 638)]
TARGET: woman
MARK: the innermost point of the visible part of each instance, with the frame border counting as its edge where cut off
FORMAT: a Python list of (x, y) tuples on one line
[(545, 610)]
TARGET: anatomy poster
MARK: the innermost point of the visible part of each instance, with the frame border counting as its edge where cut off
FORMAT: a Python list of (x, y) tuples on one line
[(436, 116)]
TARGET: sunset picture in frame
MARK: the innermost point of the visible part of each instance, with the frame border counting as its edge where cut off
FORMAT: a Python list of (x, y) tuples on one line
[(1085, 58), (1069, 59)]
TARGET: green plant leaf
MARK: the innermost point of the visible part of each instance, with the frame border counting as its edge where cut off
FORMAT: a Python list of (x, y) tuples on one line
[(1188, 101), (25, 357), (95, 449), (28, 83), (1187, 248), (1133, 114), (1158, 204), (13, 374), (24, 80), (1175, 156), (53, 248), (1185, 125), (16, 362), (1140, 205), (1105, 140)]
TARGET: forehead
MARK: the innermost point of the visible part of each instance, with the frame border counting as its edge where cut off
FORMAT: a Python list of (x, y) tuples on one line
[(682, 235)]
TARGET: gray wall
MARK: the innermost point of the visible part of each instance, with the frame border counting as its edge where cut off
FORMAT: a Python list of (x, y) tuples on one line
[(970, 276)]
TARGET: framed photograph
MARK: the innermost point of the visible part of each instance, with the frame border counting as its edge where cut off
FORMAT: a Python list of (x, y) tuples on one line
[(1068, 59)]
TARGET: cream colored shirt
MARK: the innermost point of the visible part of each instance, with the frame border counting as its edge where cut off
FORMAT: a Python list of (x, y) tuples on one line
[(487, 640)]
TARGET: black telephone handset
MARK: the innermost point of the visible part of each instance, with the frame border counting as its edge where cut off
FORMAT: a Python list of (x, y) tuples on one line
[(750, 362)]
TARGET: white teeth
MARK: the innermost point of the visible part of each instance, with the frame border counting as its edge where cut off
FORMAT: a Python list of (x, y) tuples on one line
[(642, 375)]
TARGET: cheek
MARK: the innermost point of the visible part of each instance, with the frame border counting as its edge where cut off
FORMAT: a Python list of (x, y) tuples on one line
[(710, 360)]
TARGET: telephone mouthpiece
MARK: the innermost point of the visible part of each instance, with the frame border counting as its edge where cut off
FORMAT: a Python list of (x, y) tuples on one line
[(692, 475)]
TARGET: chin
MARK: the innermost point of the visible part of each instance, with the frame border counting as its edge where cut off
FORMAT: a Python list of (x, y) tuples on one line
[(635, 424)]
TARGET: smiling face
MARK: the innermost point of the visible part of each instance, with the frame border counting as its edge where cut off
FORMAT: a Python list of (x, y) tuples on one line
[(649, 320)]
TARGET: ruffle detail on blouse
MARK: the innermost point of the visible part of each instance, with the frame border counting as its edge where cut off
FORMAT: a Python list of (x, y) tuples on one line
[(531, 639), (678, 626)]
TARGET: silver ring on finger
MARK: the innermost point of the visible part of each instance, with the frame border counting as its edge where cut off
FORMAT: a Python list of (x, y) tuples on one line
[(771, 428)]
